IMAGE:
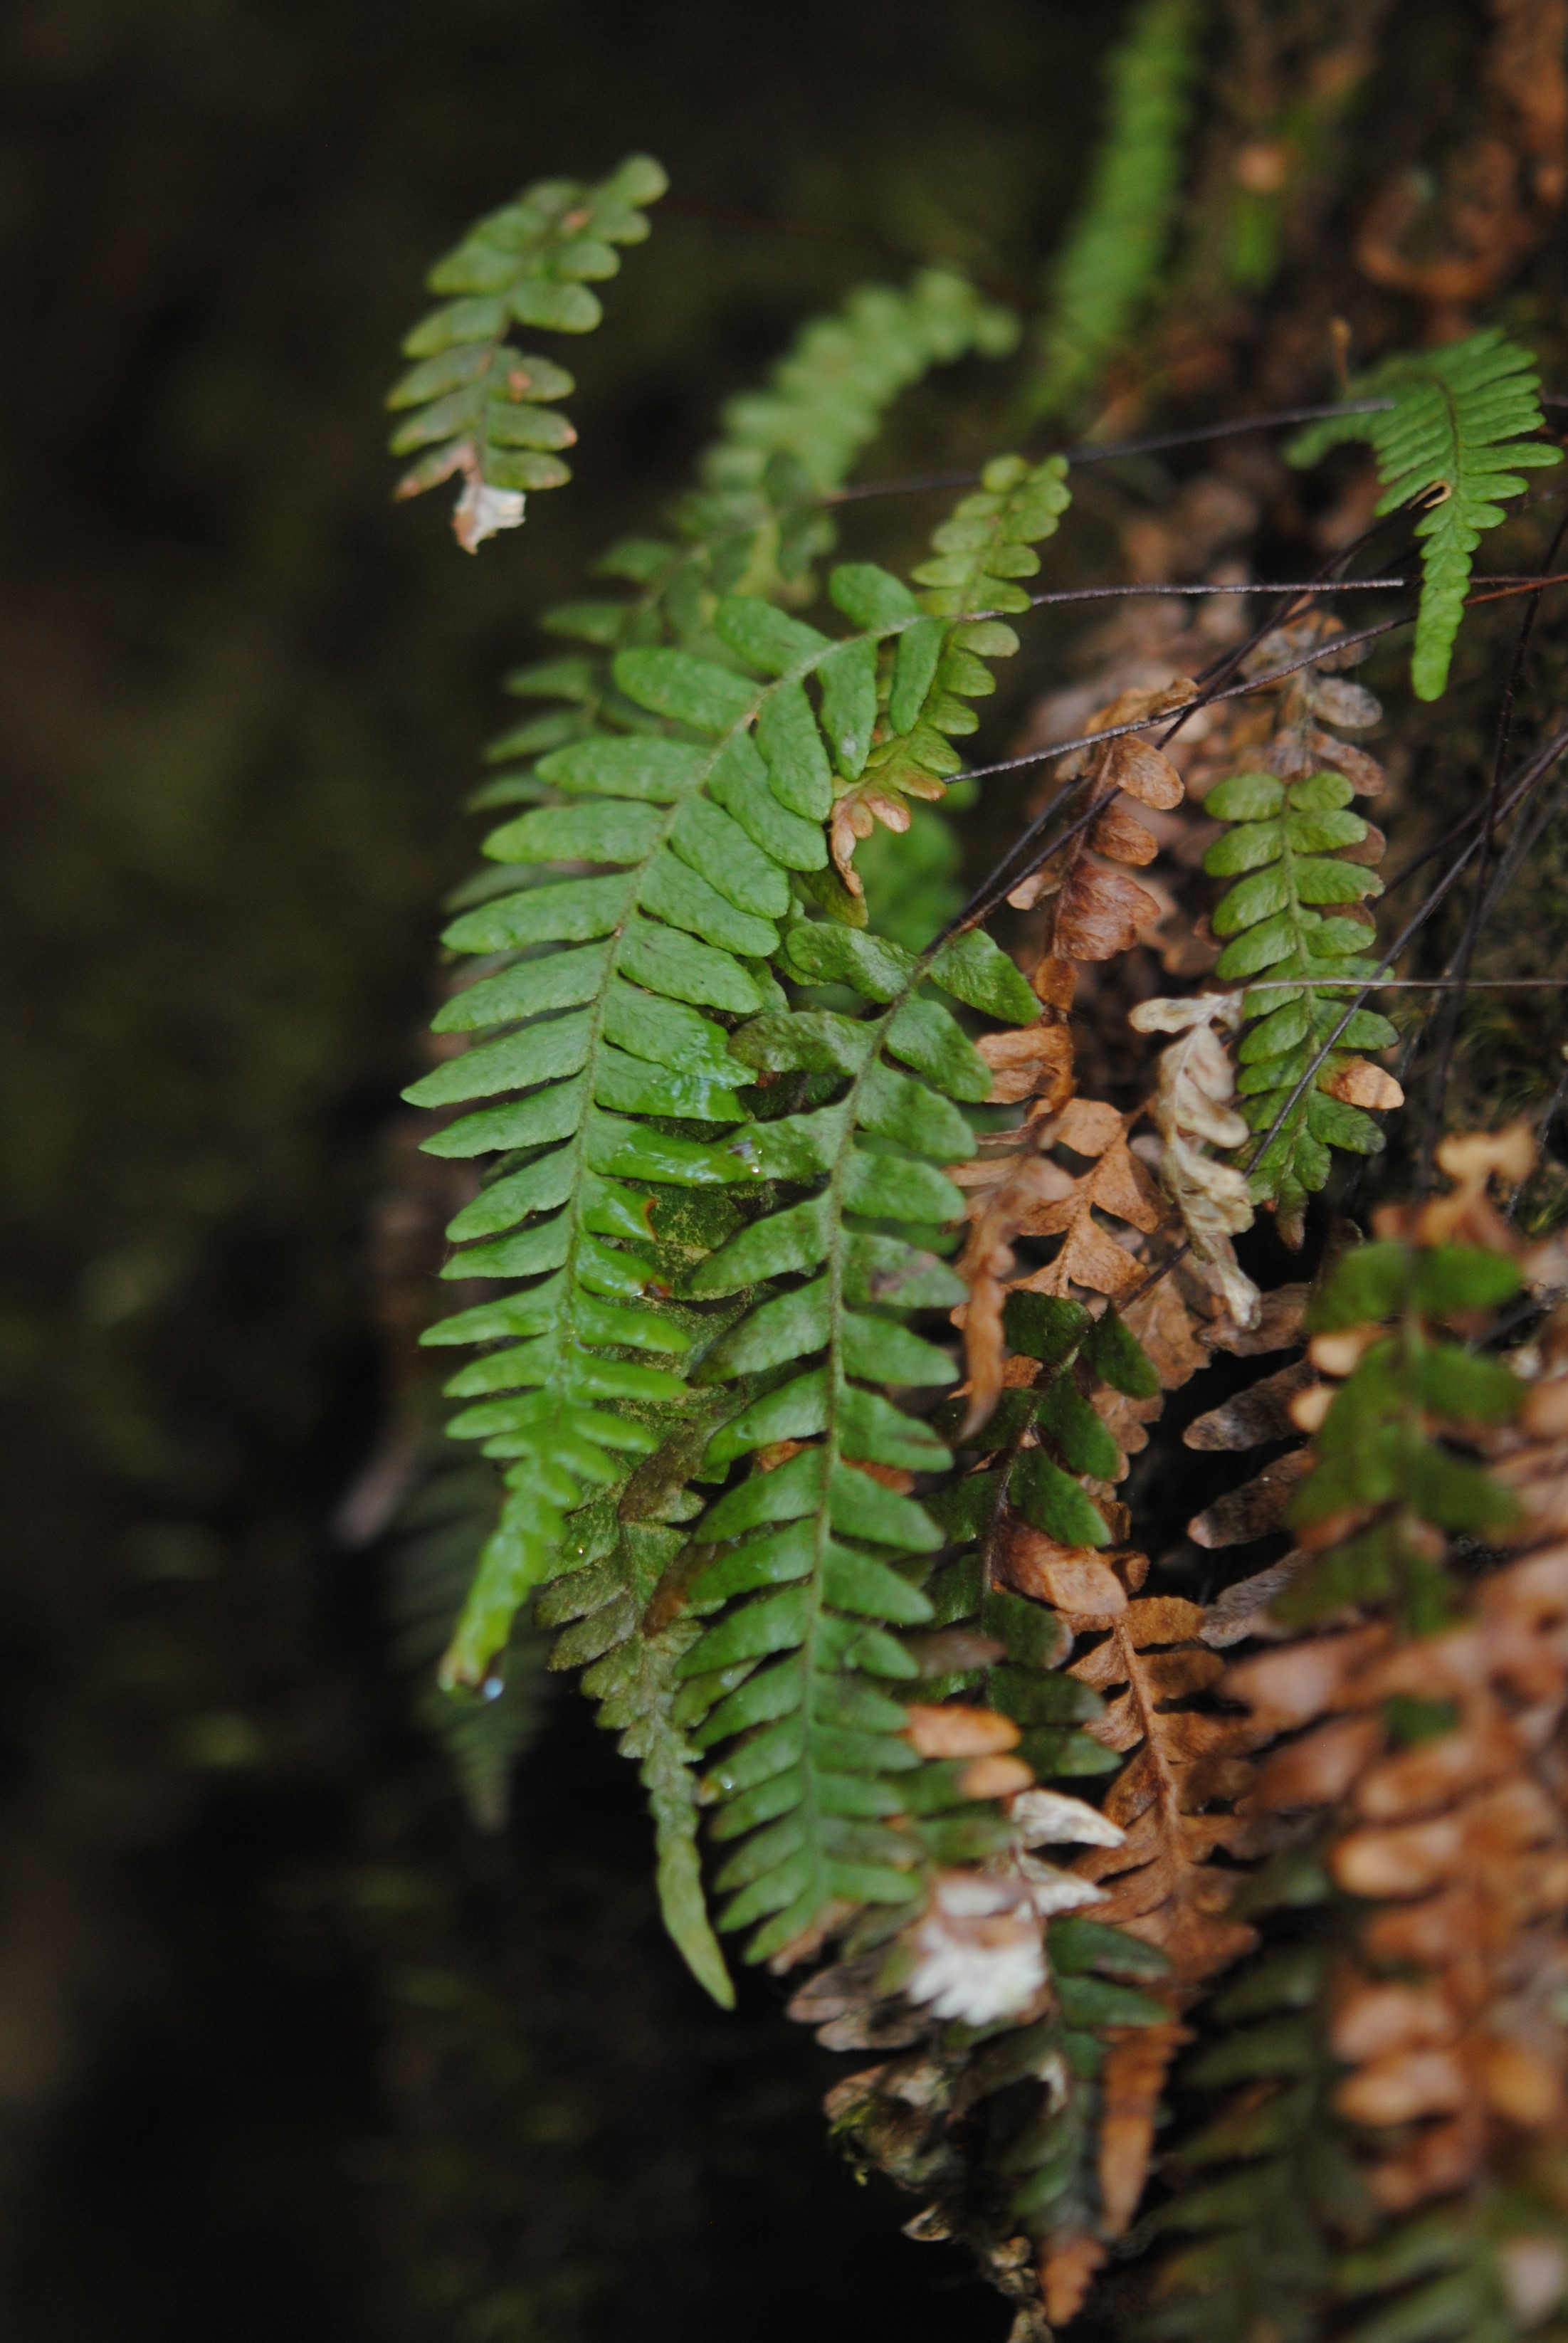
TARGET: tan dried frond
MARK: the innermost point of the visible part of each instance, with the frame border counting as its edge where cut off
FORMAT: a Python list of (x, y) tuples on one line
[(1192, 1113), (1018, 1189), (856, 814), (1097, 911), (1182, 1791), (1181, 1802)]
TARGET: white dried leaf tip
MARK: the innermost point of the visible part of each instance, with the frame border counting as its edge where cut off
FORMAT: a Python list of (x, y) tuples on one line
[(483, 511), (979, 1952), (1042, 1816)]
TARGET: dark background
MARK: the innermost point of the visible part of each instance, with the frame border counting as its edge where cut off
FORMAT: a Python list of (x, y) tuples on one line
[(285, 2046)]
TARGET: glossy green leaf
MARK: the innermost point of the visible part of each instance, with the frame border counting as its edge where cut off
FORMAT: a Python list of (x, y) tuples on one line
[(659, 772), (791, 746), (1053, 1501), (822, 953), (848, 678), (977, 972), (691, 690), (766, 637), (925, 1035)]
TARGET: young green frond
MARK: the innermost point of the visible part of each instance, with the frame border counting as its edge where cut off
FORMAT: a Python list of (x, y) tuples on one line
[(1459, 432), (825, 400), (1109, 264), (922, 692), (1282, 923), (484, 409)]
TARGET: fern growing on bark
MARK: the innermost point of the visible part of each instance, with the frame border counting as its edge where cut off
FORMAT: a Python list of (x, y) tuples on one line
[(743, 1151)]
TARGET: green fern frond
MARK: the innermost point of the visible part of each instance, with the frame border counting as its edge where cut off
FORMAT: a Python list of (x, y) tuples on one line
[(1042, 1483), (980, 553), (825, 401), (1109, 264), (1290, 840), (694, 823), (1269, 2188), (817, 1559), (483, 408), (1262, 2190), (756, 524), (1459, 426)]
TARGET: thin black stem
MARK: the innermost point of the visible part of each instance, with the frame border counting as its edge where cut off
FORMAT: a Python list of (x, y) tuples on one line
[(1278, 586), (1415, 983), (1003, 879), (1226, 664), (1089, 451)]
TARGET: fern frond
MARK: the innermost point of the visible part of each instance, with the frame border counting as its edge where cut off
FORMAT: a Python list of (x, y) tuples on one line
[(697, 838), (1001, 2129), (1281, 922), (1459, 426), (820, 1550), (1301, 862), (922, 696), (756, 524), (483, 408), (1385, 1494), (1110, 261), (1263, 2190), (825, 401), (1375, 2058)]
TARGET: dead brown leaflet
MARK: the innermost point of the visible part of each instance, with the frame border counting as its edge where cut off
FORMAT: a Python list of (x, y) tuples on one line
[(1182, 1799), (1098, 911)]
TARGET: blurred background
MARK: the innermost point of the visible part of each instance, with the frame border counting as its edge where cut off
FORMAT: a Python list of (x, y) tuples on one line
[(285, 2045)]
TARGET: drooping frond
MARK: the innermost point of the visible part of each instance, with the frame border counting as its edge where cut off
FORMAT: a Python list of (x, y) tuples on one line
[(696, 811), (484, 409), (1460, 430), (1301, 861), (980, 553), (1110, 263), (824, 402)]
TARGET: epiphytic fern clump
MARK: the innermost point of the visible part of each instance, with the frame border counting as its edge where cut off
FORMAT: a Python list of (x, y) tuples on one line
[(838, 1292)]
